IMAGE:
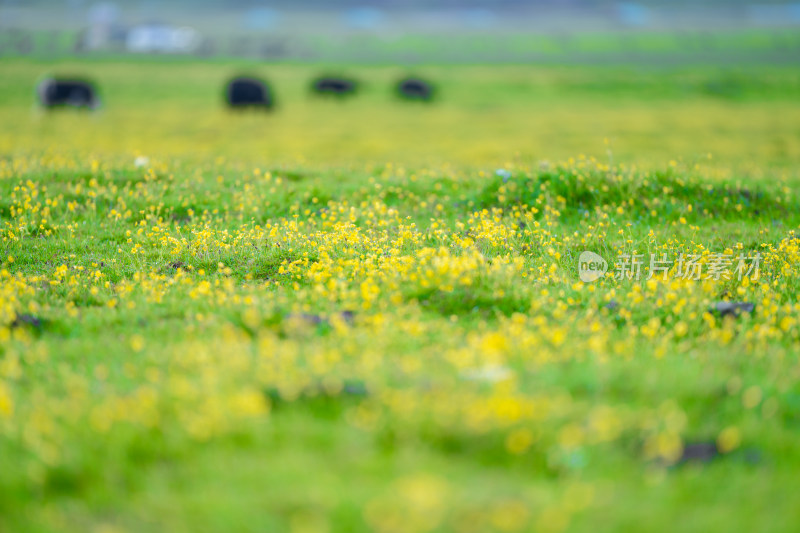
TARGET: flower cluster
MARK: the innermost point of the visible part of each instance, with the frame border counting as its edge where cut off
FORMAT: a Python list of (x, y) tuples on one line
[(141, 311)]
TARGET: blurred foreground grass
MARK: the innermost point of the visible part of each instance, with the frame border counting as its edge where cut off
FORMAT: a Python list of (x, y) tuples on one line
[(343, 316)]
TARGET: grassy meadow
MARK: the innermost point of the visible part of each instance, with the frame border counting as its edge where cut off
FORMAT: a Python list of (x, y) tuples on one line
[(367, 315)]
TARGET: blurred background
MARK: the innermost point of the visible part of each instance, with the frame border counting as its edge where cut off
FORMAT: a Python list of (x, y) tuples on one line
[(408, 31), (648, 82)]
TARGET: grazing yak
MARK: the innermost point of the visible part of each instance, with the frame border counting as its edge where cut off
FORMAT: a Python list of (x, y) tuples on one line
[(415, 89), (61, 92), (334, 86), (245, 92)]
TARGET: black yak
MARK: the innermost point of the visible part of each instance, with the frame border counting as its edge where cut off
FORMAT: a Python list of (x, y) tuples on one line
[(415, 89), (334, 86), (53, 92), (248, 92)]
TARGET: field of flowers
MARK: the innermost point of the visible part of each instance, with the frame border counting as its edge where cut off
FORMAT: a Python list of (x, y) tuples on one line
[(369, 315)]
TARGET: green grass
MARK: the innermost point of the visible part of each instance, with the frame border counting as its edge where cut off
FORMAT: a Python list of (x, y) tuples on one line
[(340, 317)]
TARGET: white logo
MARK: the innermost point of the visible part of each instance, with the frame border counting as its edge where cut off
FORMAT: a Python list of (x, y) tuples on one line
[(591, 267)]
